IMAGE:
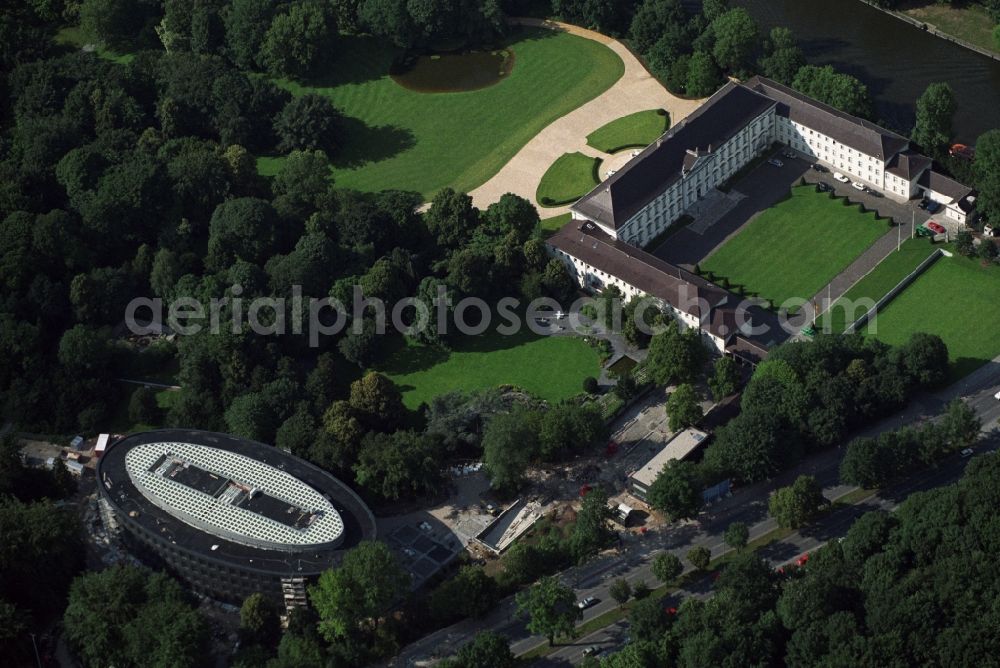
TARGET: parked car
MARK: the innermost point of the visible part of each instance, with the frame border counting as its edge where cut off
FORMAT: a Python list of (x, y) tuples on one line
[(968, 452), (775, 162), (816, 167), (997, 396), (610, 173), (935, 227), (933, 206), (857, 185), (990, 231), (923, 204), (587, 602), (840, 177), (593, 650), (824, 187)]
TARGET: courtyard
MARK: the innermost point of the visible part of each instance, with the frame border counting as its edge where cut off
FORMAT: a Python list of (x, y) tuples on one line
[(796, 247)]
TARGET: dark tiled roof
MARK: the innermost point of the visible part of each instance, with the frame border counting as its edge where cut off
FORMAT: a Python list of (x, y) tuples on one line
[(851, 131), (661, 164), (717, 309), (943, 185), (908, 164)]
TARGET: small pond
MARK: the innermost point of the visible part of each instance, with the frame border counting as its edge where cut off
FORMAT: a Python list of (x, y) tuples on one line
[(453, 72)]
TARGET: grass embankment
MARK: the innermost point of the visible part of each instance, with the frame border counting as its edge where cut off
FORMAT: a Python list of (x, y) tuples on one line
[(636, 130), (796, 247), (570, 177), (550, 367), (894, 268), (407, 140), (969, 22), (959, 300)]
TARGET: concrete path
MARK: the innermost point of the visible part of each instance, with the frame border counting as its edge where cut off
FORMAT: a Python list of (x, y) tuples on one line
[(861, 267), (637, 90)]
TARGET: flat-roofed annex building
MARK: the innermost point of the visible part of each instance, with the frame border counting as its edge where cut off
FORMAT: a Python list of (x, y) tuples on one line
[(228, 516), (677, 448)]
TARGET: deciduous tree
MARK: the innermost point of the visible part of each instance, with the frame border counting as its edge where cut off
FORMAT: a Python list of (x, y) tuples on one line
[(550, 607)]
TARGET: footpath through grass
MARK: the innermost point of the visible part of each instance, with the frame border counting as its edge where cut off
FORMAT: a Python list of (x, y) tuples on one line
[(887, 275), (570, 177), (796, 247), (407, 140), (551, 367), (636, 130), (959, 300)]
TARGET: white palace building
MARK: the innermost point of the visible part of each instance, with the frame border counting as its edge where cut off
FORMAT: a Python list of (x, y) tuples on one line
[(601, 246)]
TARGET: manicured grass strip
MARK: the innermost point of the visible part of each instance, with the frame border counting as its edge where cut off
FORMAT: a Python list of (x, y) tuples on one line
[(422, 142), (875, 285), (633, 131), (570, 177), (551, 367), (959, 300), (552, 225), (796, 247)]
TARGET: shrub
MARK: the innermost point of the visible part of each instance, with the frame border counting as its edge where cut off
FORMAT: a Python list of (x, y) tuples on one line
[(590, 385), (547, 201), (847, 201), (802, 180), (661, 112), (861, 207)]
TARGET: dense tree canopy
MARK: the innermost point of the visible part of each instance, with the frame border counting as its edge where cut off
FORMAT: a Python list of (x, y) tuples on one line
[(886, 595), (935, 110), (150, 620)]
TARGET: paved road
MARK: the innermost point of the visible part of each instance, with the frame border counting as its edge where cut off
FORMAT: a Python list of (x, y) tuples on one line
[(637, 90), (747, 504), (831, 526)]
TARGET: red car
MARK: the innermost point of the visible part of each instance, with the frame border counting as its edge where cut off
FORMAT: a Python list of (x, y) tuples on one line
[(934, 227), (585, 490), (801, 561)]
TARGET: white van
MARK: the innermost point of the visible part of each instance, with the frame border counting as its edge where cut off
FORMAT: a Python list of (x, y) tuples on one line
[(840, 177)]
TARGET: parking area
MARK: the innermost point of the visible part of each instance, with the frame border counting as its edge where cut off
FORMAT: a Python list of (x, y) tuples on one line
[(760, 189)]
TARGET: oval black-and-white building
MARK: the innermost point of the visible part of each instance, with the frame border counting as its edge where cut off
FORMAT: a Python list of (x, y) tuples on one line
[(228, 516)]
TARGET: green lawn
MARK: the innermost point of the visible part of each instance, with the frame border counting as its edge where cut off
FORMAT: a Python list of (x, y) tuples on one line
[(120, 422), (635, 130), (796, 247), (959, 300), (875, 285), (398, 138), (552, 225), (75, 37), (551, 367), (570, 177), (969, 22)]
